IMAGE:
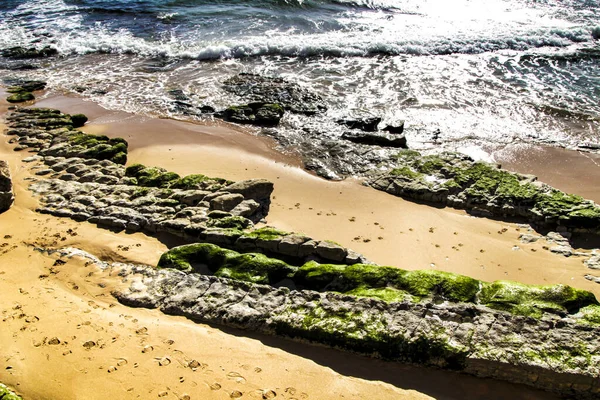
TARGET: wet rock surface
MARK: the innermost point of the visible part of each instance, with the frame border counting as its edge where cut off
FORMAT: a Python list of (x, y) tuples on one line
[(261, 114), (265, 89), (6, 190), (21, 89)]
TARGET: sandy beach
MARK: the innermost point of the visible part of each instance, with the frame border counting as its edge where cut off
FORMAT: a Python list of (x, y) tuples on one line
[(64, 336)]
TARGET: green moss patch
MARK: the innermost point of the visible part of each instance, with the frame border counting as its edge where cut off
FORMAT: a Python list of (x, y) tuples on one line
[(266, 233), (249, 267), (160, 177), (20, 97), (590, 314), (386, 283), (532, 300), (229, 222), (363, 277), (99, 147), (483, 183)]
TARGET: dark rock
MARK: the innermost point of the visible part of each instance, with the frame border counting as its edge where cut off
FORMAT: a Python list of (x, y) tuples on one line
[(19, 52), (395, 129), (6, 190), (366, 124), (331, 251), (78, 120), (262, 114), (24, 85), (376, 139), (292, 97)]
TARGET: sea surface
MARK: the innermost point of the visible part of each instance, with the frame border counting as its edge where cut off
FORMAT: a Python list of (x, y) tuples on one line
[(467, 75)]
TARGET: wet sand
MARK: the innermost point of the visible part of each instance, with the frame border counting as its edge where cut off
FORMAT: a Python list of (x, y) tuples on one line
[(43, 300)]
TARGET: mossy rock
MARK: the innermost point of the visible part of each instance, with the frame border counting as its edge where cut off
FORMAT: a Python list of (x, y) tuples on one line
[(233, 222), (532, 300), (249, 267), (99, 147), (501, 191), (20, 97), (160, 177), (266, 233), (78, 120), (590, 315), (186, 258), (363, 277), (386, 283)]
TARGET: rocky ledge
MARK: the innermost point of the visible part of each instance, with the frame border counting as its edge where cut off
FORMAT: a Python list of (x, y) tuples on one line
[(483, 189), (81, 176), (6, 191), (543, 336)]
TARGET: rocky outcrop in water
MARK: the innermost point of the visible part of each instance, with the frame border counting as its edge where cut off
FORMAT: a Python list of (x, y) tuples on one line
[(485, 190), (261, 114), (19, 52), (264, 89), (557, 351), (6, 190), (376, 139)]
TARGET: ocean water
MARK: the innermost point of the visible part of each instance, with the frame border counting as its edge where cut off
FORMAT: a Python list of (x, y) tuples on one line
[(468, 75)]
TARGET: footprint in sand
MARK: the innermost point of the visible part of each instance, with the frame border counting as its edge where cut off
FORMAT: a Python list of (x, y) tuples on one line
[(236, 394), (236, 377), (215, 386), (163, 362), (121, 362), (147, 349)]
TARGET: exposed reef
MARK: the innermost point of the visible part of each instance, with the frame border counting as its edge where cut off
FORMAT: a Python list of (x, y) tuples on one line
[(428, 318), (486, 190), (258, 88)]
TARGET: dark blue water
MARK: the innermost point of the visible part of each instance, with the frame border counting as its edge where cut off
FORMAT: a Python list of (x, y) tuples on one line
[(485, 73)]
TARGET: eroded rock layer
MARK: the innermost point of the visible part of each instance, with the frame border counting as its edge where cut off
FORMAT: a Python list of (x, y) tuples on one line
[(554, 353)]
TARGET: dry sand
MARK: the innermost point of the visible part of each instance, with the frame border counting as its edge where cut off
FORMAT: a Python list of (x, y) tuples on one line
[(72, 302)]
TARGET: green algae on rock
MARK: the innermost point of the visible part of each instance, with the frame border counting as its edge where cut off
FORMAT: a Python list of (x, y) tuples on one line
[(557, 352), (485, 189), (160, 177), (20, 97), (386, 283)]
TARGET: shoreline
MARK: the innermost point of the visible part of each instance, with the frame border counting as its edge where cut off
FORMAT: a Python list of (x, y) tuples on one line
[(286, 215)]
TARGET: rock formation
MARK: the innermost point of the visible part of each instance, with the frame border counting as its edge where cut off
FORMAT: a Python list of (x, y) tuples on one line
[(6, 190)]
